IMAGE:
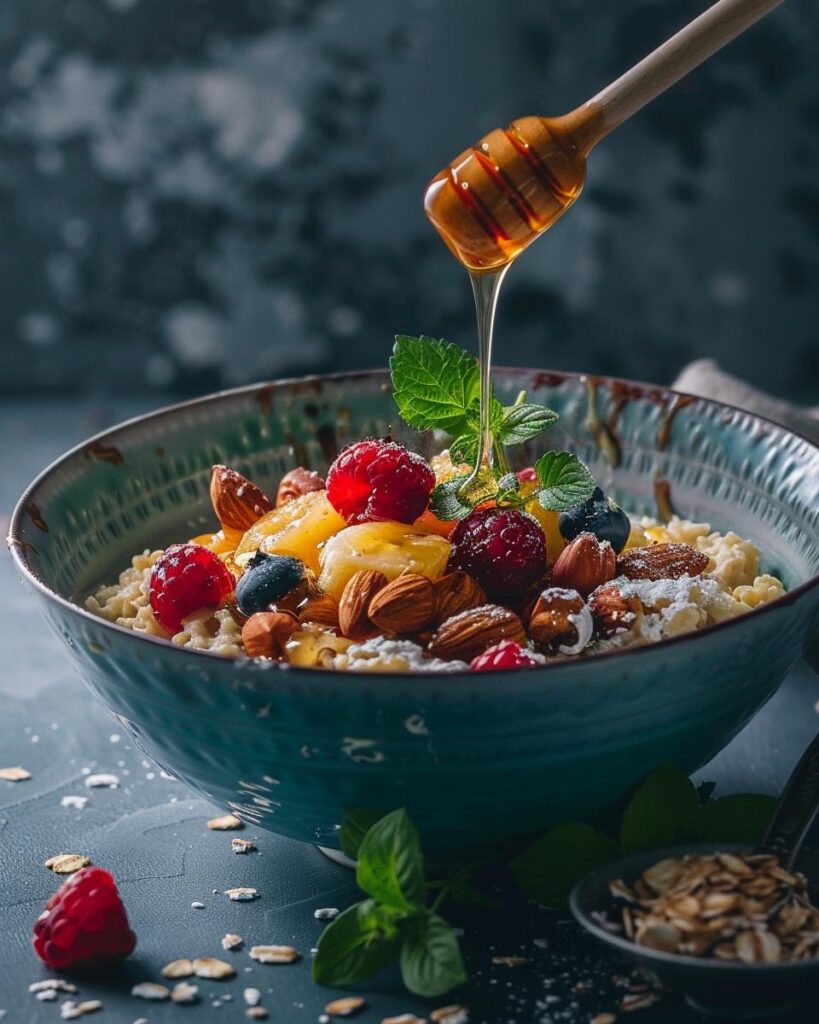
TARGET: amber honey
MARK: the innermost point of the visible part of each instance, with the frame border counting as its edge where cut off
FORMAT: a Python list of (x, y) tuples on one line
[(493, 200)]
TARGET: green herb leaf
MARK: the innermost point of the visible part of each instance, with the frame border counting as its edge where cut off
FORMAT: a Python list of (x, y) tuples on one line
[(357, 822), (434, 383), (359, 943), (564, 481), (464, 449), (390, 863), (445, 501), (548, 869), (663, 811), (431, 962), (740, 818), (521, 422)]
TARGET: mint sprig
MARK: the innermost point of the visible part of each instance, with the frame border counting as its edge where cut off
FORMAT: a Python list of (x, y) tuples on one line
[(394, 923), (436, 385)]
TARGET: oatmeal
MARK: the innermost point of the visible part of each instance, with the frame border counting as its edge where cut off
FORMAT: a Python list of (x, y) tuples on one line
[(314, 581)]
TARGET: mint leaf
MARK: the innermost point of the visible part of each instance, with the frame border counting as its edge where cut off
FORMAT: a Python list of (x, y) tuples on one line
[(548, 869), (390, 863), (359, 943), (431, 962), (445, 502), (741, 818), (464, 449), (521, 422), (664, 810), (564, 481), (357, 822), (434, 383)]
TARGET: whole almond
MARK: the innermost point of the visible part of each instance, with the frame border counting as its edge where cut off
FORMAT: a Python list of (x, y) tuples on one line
[(584, 565), (612, 612), (469, 633), (237, 502), (297, 482), (551, 621), (662, 562), (355, 600), (454, 593), (265, 633), (406, 605), (322, 609)]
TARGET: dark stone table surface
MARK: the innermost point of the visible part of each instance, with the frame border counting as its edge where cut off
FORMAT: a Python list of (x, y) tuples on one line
[(150, 831)]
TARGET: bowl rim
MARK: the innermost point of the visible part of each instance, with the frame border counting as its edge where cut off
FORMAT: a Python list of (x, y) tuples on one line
[(18, 547), (611, 871)]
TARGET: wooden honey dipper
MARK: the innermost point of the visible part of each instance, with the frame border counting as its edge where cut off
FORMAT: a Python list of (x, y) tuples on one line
[(494, 199)]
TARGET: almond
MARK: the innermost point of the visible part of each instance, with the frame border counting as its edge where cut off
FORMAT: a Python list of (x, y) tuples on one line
[(361, 588), (551, 621), (584, 564), (661, 562), (265, 633), (237, 502), (469, 633), (406, 605), (297, 482), (322, 609), (612, 612), (454, 593)]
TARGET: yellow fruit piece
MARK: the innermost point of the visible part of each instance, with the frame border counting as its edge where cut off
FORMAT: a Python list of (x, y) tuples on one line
[(637, 538), (297, 528), (445, 469), (307, 647), (222, 542), (387, 547), (548, 520)]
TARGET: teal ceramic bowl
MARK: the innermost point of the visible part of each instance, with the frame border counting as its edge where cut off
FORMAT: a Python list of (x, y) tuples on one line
[(476, 759)]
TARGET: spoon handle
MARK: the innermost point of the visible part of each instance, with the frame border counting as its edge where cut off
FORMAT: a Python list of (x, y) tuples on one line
[(796, 810), (663, 67)]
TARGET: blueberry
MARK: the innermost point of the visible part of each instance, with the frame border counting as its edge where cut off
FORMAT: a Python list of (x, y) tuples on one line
[(599, 515), (266, 579)]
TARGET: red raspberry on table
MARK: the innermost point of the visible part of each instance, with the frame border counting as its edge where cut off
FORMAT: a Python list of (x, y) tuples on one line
[(185, 578), (504, 549), (506, 654), (84, 923), (373, 480)]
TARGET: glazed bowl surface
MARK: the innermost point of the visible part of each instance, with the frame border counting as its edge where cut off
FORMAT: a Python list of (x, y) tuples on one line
[(476, 758)]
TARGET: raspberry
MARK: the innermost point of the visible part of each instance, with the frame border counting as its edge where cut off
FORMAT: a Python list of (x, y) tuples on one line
[(506, 654), (526, 476), (186, 578), (373, 480), (84, 923), (504, 549)]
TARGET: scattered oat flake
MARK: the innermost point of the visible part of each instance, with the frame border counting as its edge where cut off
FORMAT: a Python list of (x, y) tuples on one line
[(78, 802), (67, 863), (510, 961), (639, 1001), (52, 984), (604, 1018), (71, 1010), (404, 1018), (197, 905), (225, 823), (325, 913), (98, 781), (252, 996), (274, 955), (210, 967), (14, 774), (345, 1007), (256, 1013), (182, 968), (450, 1015), (241, 893), (231, 941), (242, 846), (150, 990), (47, 995), (184, 993)]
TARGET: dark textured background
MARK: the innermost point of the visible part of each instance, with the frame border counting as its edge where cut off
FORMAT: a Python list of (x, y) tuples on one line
[(199, 193)]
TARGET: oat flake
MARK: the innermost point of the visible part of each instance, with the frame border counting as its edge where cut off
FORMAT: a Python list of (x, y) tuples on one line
[(101, 780), (211, 968), (274, 954), (67, 863), (225, 823), (231, 941), (252, 996), (241, 893), (345, 1007), (150, 990), (184, 993), (182, 968), (14, 774)]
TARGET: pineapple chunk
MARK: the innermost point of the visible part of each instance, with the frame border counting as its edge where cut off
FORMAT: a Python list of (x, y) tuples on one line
[(548, 520), (297, 528), (388, 547)]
